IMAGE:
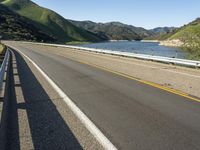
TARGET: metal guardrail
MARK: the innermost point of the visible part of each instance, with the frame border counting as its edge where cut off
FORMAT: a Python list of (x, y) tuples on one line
[(184, 62), (3, 67)]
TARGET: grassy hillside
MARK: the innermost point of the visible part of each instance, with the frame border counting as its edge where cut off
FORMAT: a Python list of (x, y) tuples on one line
[(190, 35), (114, 30), (2, 49), (50, 22), (187, 31), (15, 27), (191, 30)]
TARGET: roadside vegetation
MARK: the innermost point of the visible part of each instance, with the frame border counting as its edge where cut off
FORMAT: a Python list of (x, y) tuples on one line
[(77, 43), (2, 49), (192, 46), (2, 52)]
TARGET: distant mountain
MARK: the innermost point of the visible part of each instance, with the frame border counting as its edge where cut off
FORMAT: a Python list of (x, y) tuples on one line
[(161, 33), (114, 30), (50, 22), (163, 30), (15, 27)]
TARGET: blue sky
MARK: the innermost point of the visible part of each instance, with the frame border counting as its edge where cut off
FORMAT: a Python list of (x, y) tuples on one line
[(144, 13)]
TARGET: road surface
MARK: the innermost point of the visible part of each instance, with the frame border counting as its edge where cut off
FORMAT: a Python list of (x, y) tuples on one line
[(132, 115)]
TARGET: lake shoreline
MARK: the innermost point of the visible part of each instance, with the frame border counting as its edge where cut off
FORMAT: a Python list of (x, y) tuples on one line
[(147, 47), (171, 43), (152, 41)]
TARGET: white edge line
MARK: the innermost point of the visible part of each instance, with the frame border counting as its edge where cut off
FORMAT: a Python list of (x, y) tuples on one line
[(101, 138)]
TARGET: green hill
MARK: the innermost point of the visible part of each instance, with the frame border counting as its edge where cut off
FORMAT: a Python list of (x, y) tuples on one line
[(188, 34), (184, 33), (191, 30), (15, 27), (114, 30), (50, 22)]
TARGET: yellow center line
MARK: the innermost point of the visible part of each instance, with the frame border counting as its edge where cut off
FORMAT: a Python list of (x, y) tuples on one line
[(139, 80)]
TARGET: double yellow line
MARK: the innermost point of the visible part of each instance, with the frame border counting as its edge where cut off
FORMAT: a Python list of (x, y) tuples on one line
[(140, 80)]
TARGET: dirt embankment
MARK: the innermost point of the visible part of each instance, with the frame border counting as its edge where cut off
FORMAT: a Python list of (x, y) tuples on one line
[(172, 43)]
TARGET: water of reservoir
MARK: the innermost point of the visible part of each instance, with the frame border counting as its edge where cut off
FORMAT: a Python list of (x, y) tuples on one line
[(149, 48)]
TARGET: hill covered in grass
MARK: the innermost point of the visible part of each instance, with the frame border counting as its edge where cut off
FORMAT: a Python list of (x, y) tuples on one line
[(191, 30), (189, 35), (50, 22), (183, 33), (114, 30), (15, 27)]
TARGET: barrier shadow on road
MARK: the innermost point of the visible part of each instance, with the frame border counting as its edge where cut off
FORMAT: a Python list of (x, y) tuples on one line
[(48, 130), (12, 140)]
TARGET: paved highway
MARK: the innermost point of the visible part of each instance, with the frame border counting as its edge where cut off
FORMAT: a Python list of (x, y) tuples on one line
[(132, 115)]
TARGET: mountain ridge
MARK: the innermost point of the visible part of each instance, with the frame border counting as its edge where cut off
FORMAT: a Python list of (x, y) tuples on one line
[(163, 30), (114, 30)]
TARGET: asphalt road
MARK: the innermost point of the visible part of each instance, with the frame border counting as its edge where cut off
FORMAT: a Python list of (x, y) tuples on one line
[(131, 114)]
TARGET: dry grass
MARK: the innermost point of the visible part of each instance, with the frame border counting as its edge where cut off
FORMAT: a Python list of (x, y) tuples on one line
[(2, 49)]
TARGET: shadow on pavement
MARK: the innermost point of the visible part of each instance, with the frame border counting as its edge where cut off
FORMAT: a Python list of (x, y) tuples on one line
[(12, 125), (47, 127)]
